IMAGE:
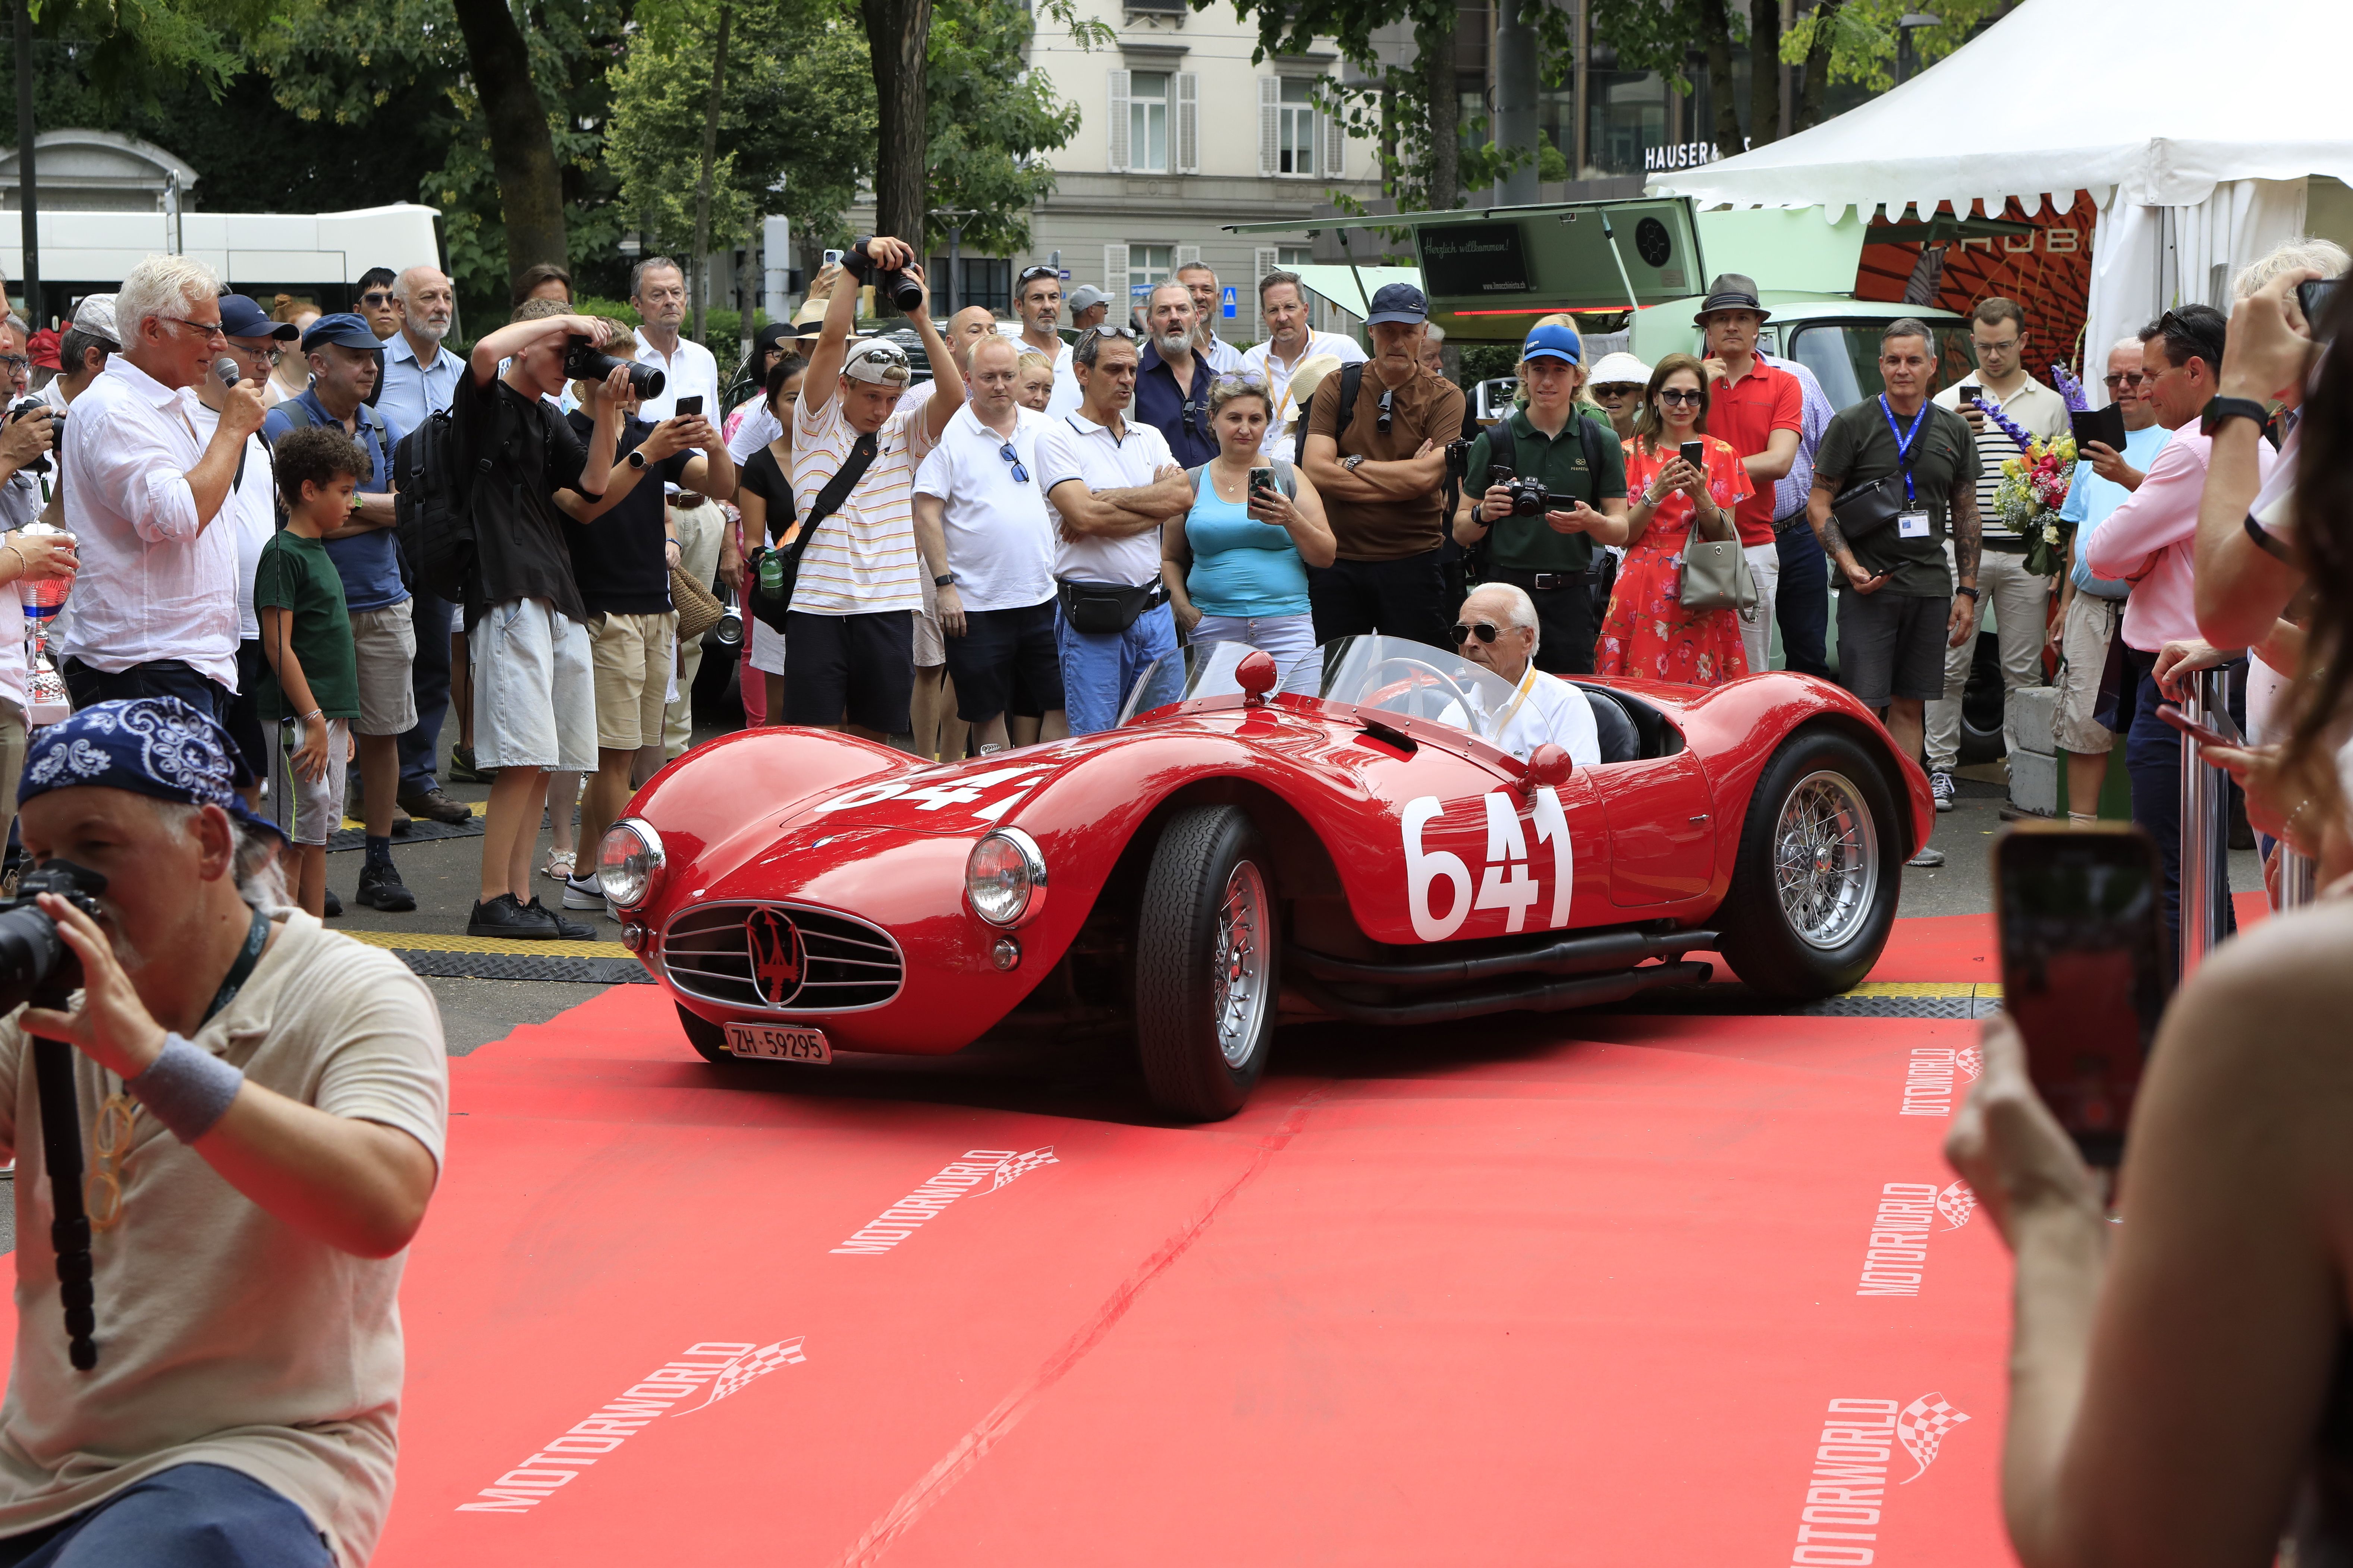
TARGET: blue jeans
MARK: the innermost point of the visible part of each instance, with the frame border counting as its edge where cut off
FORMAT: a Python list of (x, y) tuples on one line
[(1289, 640), (420, 747), (1803, 603), (2153, 761), (1099, 669), (190, 1516), (89, 686)]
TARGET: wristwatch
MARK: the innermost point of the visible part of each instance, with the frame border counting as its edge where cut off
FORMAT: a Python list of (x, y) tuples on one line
[(2218, 409), (636, 458), (1974, 595), (1351, 460), (944, 579)]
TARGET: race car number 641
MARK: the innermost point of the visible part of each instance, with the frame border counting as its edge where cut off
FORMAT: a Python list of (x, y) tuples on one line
[(1506, 883)]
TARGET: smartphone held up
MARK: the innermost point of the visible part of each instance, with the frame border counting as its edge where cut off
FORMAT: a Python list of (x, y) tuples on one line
[(2083, 970)]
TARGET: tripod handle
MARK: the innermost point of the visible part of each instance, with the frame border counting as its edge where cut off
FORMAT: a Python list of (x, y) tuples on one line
[(53, 1068)]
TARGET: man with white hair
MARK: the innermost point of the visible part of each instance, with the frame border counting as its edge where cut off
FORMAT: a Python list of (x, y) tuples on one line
[(1498, 629), (155, 609)]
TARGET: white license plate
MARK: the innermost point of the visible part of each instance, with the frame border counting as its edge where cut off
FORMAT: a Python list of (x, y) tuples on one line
[(774, 1044)]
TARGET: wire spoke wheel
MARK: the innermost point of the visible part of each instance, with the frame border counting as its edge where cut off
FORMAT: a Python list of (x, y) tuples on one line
[(1239, 981), (1825, 859)]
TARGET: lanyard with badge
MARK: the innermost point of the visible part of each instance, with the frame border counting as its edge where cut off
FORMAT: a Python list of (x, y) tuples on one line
[(1912, 522)]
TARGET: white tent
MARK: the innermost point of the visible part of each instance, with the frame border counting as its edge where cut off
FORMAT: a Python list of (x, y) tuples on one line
[(2194, 130)]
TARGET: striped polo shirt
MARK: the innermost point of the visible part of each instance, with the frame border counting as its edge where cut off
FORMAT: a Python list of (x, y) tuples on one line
[(862, 559)]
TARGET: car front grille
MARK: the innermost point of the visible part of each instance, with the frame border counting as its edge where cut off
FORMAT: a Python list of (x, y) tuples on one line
[(781, 958)]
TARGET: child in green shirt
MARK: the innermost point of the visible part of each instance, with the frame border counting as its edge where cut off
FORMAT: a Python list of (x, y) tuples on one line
[(306, 638)]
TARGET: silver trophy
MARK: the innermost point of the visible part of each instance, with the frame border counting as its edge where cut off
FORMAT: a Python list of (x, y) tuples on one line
[(45, 688)]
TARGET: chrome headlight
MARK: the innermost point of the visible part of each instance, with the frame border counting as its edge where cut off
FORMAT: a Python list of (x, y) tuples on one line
[(1006, 878), (629, 861)]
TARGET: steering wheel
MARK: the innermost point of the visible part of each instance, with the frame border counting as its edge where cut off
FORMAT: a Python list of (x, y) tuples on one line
[(1440, 676)]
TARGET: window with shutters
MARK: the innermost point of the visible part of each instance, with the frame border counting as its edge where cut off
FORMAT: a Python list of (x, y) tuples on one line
[(1148, 94), (1296, 129), (1147, 264)]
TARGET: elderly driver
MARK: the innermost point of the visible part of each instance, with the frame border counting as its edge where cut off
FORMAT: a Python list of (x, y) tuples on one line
[(1498, 629), (261, 1107)]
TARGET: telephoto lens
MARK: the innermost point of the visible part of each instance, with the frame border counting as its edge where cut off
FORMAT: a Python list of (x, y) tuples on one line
[(36, 964), (902, 290), (583, 362)]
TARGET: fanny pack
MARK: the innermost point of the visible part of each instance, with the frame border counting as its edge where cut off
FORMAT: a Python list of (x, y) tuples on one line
[(1097, 608), (1867, 508)]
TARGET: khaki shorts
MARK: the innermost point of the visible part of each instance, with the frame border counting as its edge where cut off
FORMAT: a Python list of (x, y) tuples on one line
[(2083, 657), (633, 655), (384, 646), (930, 646)]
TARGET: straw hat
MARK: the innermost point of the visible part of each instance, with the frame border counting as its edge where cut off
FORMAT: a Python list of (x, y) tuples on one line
[(1307, 378)]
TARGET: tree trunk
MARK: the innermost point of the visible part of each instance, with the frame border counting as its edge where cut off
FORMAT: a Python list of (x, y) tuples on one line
[(1717, 23), (1433, 41), (1764, 70), (1818, 64), (897, 35), (522, 150), (700, 271)]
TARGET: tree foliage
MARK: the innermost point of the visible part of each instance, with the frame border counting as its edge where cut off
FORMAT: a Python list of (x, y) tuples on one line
[(1862, 36)]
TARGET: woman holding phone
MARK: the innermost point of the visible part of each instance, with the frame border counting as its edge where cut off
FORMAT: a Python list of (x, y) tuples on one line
[(1669, 500), (1236, 563)]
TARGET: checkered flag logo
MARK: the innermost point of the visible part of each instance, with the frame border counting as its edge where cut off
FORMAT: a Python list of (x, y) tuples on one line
[(1970, 1061), (1011, 1171), (751, 1364), (1922, 1427), (1957, 1204)]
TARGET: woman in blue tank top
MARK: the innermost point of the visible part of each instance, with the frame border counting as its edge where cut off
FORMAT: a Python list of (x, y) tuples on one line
[(1235, 565)]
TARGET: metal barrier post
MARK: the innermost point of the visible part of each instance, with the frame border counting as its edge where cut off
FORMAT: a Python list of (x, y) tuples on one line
[(2299, 880), (2205, 830)]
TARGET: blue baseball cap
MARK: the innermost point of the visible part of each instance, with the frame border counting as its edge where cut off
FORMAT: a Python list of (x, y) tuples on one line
[(1397, 302), (343, 329), (243, 317), (1553, 340)]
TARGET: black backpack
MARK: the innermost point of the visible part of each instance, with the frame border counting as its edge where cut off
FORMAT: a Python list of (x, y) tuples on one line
[(433, 508)]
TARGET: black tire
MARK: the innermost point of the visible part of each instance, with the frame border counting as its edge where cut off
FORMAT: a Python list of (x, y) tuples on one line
[(1204, 853), (1981, 704), (709, 1040), (1762, 936)]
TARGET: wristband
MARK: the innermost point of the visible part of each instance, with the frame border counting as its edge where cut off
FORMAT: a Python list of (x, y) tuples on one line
[(1972, 593), (187, 1088), (2218, 409)]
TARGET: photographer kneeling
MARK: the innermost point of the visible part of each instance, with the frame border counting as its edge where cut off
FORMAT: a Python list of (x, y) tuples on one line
[(262, 1105)]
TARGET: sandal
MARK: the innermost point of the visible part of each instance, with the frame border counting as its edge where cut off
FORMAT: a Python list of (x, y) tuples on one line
[(559, 866)]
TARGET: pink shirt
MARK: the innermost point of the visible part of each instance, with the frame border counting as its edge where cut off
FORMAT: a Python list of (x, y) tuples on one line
[(2152, 538)]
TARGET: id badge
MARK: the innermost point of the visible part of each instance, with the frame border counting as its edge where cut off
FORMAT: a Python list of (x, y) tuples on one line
[(1911, 525)]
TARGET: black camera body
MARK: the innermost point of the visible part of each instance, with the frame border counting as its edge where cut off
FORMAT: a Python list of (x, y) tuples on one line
[(903, 292), (36, 964), (1529, 497), (57, 427), (583, 361)]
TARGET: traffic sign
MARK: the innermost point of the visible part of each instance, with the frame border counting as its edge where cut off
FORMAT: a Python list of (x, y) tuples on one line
[(1228, 301)]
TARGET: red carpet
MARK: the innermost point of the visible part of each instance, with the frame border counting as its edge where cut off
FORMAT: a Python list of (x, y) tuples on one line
[(1566, 1290)]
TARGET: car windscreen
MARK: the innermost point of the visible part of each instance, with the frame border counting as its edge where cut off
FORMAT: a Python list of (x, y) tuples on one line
[(1844, 356), (1387, 674)]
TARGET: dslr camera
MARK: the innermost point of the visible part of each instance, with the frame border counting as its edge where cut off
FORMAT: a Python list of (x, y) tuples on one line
[(57, 427), (583, 361), (889, 282), (36, 964), (1529, 497)]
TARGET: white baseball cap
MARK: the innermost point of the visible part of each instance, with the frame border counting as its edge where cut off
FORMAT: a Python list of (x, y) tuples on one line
[(95, 314), (879, 360)]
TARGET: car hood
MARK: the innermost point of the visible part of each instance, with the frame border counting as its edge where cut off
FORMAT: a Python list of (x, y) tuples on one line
[(959, 798)]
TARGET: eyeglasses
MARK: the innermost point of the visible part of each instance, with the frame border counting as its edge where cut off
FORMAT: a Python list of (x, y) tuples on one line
[(1617, 389), (13, 362), (376, 298), (1679, 394), (209, 328), (1020, 474), (1484, 630), (272, 357), (2126, 378), (1984, 347)]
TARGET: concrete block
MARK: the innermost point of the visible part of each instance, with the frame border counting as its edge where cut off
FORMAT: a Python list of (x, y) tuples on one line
[(2034, 782), (2036, 713)]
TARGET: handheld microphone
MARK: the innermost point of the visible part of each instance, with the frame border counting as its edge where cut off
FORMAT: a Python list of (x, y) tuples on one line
[(225, 371)]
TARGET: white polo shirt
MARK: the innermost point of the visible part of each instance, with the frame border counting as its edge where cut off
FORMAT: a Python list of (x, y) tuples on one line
[(1074, 448), (690, 371), (1545, 708), (1000, 533)]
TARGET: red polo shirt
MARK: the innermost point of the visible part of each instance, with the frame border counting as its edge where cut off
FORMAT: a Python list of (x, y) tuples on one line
[(1745, 413)]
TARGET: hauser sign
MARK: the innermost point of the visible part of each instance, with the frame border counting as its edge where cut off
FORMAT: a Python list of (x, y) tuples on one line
[(1468, 258)]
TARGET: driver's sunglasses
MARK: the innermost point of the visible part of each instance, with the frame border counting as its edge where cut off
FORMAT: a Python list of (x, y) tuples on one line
[(1680, 395), (1484, 630), (2126, 378), (1020, 474)]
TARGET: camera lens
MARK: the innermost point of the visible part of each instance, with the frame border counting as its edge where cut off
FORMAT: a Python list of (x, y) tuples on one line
[(902, 291)]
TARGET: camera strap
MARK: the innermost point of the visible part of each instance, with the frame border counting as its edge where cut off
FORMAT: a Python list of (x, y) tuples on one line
[(256, 939)]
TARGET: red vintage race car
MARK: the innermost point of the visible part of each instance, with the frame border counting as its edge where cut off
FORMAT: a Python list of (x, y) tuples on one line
[(1357, 847)]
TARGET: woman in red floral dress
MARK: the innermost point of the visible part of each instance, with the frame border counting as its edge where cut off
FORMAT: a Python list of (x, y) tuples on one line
[(1648, 633)]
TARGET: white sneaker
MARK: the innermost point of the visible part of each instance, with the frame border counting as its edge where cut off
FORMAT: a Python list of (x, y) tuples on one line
[(583, 893), (1929, 859)]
